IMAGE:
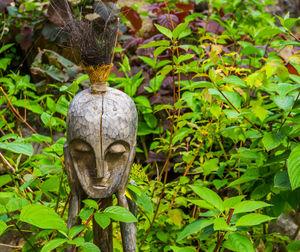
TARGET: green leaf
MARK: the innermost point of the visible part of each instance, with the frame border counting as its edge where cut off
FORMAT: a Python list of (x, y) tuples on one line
[(182, 249), (249, 206), (236, 81), (3, 227), (271, 140), (210, 166), (90, 203), (147, 60), (175, 216), (237, 242), (140, 198), (201, 203), (74, 231), (284, 102), (281, 180), (42, 217), (290, 22), (89, 247), (20, 148), (231, 202), (5, 47), (156, 43), (51, 245), (164, 31), (5, 179), (118, 213), (220, 224), (194, 227), (209, 196), (293, 246), (179, 29), (252, 219), (102, 219), (293, 166)]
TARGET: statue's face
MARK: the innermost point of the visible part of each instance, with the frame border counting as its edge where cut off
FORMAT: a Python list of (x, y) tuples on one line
[(101, 134)]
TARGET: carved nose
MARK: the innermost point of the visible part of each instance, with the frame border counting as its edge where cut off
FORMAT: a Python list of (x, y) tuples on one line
[(100, 168)]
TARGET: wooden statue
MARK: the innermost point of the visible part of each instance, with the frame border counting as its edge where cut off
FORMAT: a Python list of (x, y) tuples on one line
[(100, 148), (101, 123)]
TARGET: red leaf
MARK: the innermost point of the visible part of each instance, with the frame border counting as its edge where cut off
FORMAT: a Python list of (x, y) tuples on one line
[(26, 38), (133, 17), (165, 21), (182, 15), (185, 7), (292, 69)]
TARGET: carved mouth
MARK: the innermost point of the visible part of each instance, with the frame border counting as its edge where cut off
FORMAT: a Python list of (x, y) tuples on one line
[(99, 187)]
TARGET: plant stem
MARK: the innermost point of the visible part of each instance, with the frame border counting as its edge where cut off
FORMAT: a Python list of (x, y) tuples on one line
[(220, 239)]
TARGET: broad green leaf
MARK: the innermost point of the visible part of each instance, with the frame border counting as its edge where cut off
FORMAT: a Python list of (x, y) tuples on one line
[(118, 213), (164, 31), (140, 198), (210, 166), (20, 148), (293, 166), (52, 245), (249, 206), (5, 47), (75, 230), (271, 140), (236, 81), (202, 204), (89, 247), (252, 219), (290, 22), (42, 217), (182, 249), (5, 179), (282, 180), (90, 203), (237, 242), (175, 216), (220, 224), (194, 227), (210, 196), (293, 246), (284, 102), (231, 202), (78, 241), (179, 29), (102, 219), (148, 61), (3, 227)]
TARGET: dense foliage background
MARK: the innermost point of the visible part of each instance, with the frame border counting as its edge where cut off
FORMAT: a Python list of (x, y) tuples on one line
[(216, 84)]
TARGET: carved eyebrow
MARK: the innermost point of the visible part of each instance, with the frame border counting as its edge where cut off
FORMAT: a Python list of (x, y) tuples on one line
[(117, 149)]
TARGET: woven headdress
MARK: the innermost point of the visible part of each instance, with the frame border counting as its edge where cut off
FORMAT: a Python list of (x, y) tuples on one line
[(93, 36)]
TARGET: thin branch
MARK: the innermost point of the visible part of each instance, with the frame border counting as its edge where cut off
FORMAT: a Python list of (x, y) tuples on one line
[(220, 240), (10, 246)]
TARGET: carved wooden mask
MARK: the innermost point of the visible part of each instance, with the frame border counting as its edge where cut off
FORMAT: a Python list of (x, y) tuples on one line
[(101, 139)]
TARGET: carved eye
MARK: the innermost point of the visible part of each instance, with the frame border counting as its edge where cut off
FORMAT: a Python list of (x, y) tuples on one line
[(117, 149), (82, 147)]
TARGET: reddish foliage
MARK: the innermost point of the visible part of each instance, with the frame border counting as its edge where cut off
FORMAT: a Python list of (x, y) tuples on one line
[(185, 7), (133, 17), (292, 69), (157, 8), (165, 21)]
